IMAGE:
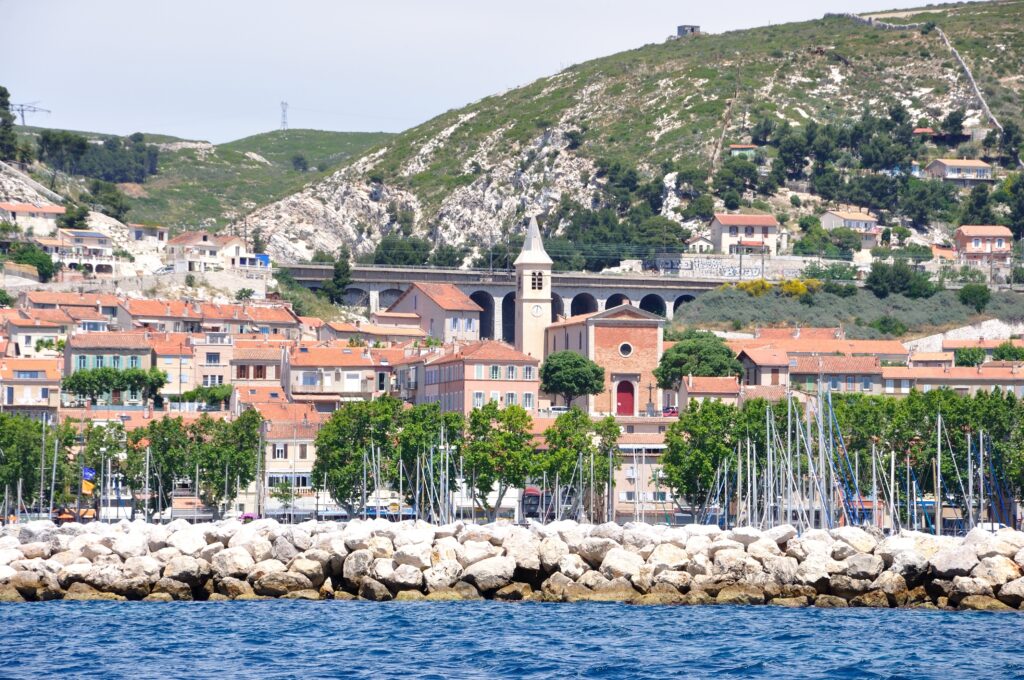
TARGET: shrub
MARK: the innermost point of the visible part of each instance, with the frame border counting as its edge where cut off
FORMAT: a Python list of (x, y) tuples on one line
[(969, 356), (755, 287), (889, 325), (976, 295)]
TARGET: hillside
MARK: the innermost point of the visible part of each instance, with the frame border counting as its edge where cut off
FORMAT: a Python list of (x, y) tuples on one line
[(470, 176), (199, 184)]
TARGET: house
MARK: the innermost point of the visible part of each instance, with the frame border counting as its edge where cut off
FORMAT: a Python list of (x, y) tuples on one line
[(256, 366), (640, 489), (471, 375), (32, 337), (958, 171), (173, 354), (932, 359), (810, 344), (213, 353), (989, 345), (702, 388), (444, 311), (369, 333), (628, 342), (148, 233), (105, 303), (40, 218), (734, 234), (858, 221), (987, 377), (272, 320), (984, 244), (923, 132), (684, 30), (747, 151), (30, 387), (327, 376), (109, 350), (764, 366), (836, 373), (699, 243), (201, 251)]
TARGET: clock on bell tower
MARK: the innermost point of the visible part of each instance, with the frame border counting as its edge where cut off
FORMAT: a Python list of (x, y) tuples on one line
[(533, 293)]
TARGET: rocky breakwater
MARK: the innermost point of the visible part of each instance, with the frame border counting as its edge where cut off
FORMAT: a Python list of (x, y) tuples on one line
[(563, 561)]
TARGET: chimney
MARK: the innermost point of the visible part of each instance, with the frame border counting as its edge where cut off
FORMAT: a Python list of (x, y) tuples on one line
[(689, 381), (757, 331), (796, 332)]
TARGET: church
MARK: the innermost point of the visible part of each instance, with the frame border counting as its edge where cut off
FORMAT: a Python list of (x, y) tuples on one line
[(626, 341)]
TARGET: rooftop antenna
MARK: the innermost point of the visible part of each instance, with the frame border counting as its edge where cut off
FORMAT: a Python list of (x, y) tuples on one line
[(22, 109), (284, 115)]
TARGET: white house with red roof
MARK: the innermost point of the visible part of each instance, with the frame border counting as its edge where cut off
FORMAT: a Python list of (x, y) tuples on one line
[(733, 234), (444, 311), (41, 218)]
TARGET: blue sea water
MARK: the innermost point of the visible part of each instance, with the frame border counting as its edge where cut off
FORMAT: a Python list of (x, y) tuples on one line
[(295, 639)]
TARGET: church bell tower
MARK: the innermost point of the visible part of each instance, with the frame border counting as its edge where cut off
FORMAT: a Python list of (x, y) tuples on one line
[(533, 293)]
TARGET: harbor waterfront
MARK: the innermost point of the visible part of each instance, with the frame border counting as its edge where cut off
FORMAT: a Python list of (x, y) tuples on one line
[(470, 640), (563, 561)]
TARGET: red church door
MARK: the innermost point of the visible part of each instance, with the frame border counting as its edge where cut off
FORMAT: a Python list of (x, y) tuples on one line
[(624, 399)]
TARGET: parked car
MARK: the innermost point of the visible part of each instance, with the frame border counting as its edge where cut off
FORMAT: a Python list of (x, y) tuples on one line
[(670, 411)]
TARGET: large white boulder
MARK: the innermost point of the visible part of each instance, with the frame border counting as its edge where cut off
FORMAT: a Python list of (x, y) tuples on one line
[(958, 561), (490, 574), (442, 575), (996, 570), (551, 550), (190, 541), (621, 562), (234, 562), (593, 549), (477, 551), (414, 554), (572, 565), (668, 556), (857, 538)]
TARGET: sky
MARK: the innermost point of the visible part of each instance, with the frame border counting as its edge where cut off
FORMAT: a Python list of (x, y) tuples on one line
[(218, 70)]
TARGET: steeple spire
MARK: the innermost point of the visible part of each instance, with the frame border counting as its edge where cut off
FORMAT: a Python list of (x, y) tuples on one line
[(533, 247)]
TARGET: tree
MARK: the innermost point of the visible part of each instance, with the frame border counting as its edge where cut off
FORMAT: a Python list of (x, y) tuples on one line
[(110, 199), (570, 375), (574, 439), (977, 209), (953, 123), (498, 454), (75, 217), (299, 163), (446, 255), (402, 251), (169, 444), (695, 353), (283, 494), (259, 244), (5, 299), (696, 445), (8, 140), (244, 294), (975, 295), (731, 199), (702, 208), (226, 454), (354, 433), (334, 288), (898, 278), (1007, 351), (31, 254), (969, 356)]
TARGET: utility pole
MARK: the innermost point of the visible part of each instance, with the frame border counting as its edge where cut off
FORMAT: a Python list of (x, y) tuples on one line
[(22, 109), (284, 115)]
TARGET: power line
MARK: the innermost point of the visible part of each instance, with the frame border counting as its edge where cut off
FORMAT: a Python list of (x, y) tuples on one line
[(21, 109)]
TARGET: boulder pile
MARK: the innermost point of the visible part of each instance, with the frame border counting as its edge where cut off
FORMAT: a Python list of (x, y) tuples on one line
[(563, 561)]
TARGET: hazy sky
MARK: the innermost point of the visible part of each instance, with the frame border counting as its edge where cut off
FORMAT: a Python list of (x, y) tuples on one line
[(218, 69)]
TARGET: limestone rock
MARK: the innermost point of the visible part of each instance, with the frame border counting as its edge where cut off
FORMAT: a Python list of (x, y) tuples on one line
[(965, 586), (668, 556), (234, 588), (235, 562), (176, 589), (417, 555), (477, 551), (284, 550), (572, 566), (781, 534), (131, 545), (911, 565), (763, 548), (551, 550), (621, 562), (523, 547), (872, 598), (789, 602), (955, 561), (514, 592), (279, 583), (996, 570), (740, 593), (261, 569), (893, 585), (135, 588), (863, 566), (847, 587), (857, 538), (357, 566), (1012, 593), (593, 550), (184, 569), (983, 603), (592, 579), (490, 574), (188, 542), (746, 535), (405, 577), (680, 580), (830, 602), (370, 589), (313, 570), (442, 575)]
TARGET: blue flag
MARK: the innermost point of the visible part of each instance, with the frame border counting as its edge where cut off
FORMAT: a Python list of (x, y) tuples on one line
[(88, 474)]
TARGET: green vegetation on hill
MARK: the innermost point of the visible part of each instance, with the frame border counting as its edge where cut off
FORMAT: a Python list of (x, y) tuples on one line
[(863, 315), (201, 185)]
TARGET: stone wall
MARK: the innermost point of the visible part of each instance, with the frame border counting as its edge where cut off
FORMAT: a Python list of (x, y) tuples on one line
[(559, 562)]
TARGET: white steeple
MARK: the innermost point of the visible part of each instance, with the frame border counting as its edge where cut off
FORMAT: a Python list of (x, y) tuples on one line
[(533, 248)]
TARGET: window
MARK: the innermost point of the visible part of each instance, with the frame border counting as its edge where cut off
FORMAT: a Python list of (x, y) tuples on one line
[(625, 349), (510, 399), (98, 362), (764, 231), (309, 378), (382, 381), (168, 361), (184, 378), (734, 231), (44, 392), (865, 383), (528, 401), (212, 380), (478, 399), (834, 382), (479, 371), (455, 323), (999, 243), (259, 372), (81, 361), (510, 372), (629, 429), (27, 375), (303, 451), (904, 385), (115, 361), (851, 381), (627, 496), (659, 496), (977, 243), (537, 281), (213, 358), (242, 372), (469, 324), (133, 362), (527, 372), (280, 451), (495, 373), (495, 397), (890, 385)]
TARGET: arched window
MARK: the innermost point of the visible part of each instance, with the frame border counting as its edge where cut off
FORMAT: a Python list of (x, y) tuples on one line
[(537, 281)]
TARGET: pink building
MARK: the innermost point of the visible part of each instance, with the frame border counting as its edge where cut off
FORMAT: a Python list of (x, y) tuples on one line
[(474, 374)]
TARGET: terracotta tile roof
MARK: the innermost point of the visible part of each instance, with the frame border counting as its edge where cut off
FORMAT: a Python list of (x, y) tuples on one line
[(731, 220), (134, 420), (342, 326), (769, 392), (58, 315), (333, 357), (178, 309), (388, 356), (1013, 372), (169, 344), (923, 131), (984, 343), (9, 367), (260, 394), (962, 163), (798, 346), (572, 320), (31, 323), (932, 356), (447, 296), (82, 313), (765, 356), (45, 208), (109, 341), (944, 253), (851, 215), (397, 315), (642, 438), (256, 354), (752, 243), (485, 351), (711, 385), (798, 332), (979, 230), (742, 146), (311, 321), (831, 364), (47, 297)]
